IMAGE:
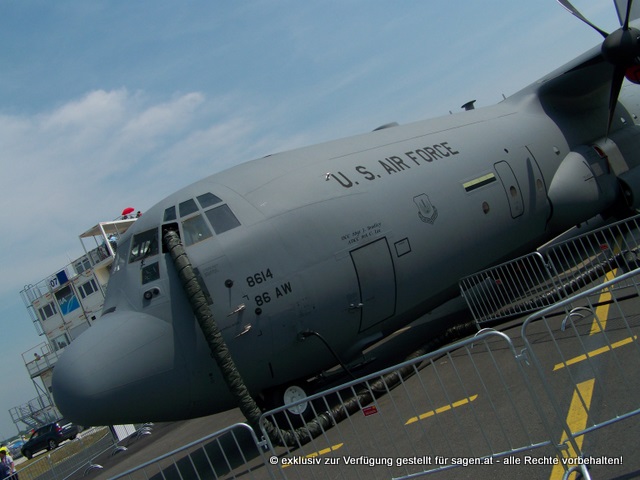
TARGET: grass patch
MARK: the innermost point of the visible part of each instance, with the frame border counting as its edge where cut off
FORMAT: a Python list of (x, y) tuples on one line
[(43, 461)]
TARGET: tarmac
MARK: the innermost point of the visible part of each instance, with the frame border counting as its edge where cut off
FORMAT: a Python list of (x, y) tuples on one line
[(618, 441)]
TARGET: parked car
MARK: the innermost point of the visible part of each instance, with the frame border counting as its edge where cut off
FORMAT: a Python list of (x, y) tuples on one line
[(15, 447), (49, 437)]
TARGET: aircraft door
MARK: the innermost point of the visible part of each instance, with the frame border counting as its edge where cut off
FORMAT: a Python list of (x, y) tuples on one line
[(377, 282), (512, 188)]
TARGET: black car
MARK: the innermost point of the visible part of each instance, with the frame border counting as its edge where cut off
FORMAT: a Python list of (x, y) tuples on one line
[(49, 437)]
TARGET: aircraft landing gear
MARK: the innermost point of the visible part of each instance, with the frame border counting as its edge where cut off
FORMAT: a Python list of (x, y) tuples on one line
[(295, 416), (292, 394)]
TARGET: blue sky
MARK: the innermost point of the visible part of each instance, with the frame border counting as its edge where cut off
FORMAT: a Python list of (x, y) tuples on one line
[(105, 105)]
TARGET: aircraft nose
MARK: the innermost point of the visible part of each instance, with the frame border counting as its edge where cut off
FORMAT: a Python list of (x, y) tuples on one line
[(122, 370)]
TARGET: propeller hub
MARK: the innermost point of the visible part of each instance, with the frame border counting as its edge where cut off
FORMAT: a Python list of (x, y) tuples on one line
[(622, 47)]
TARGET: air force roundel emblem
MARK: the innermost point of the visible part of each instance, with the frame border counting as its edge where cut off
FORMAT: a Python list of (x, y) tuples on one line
[(426, 210)]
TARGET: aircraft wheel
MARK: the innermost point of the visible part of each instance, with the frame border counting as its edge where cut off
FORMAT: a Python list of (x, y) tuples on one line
[(295, 416)]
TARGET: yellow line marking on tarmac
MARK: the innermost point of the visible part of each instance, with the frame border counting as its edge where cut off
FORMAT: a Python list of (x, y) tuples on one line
[(602, 312), (446, 408), (576, 420), (594, 353), (319, 453), (579, 412)]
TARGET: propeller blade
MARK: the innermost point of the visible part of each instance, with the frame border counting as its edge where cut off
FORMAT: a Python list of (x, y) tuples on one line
[(574, 11), (625, 26), (616, 86)]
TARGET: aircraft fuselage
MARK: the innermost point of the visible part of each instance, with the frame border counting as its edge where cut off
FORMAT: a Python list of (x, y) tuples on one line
[(351, 239)]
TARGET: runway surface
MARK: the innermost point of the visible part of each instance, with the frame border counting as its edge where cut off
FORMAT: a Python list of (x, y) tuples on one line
[(428, 419)]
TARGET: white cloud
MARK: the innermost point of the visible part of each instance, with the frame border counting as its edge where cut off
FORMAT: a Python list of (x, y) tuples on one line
[(65, 169), (95, 109), (163, 119), (80, 163), (211, 148)]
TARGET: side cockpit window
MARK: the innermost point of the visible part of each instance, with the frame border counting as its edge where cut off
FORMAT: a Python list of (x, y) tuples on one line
[(169, 214), (144, 245)]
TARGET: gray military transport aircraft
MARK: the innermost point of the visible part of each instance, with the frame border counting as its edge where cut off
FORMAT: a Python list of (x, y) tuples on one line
[(353, 239)]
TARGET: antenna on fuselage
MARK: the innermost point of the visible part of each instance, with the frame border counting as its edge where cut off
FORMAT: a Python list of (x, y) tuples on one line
[(469, 105)]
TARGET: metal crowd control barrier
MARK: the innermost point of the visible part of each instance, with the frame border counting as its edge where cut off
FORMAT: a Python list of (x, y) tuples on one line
[(423, 416), (489, 402), (540, 279), (595, 351), (229, 453), (432, 417), (60, 463)]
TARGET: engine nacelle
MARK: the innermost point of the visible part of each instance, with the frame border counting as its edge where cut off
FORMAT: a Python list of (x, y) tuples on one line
[(630, 185), (581, 188), (623, 155)]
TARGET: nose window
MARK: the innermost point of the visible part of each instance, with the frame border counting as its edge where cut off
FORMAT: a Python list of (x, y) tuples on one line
[(194, 225), (195, 230), (208, 200), (150, 273), (188, 207), (222, 219)]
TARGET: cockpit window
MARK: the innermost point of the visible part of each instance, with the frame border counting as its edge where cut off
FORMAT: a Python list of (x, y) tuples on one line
[(208, 200), (144, 245), (169, 214), (222, 219), (195, 230), (188, 207)]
